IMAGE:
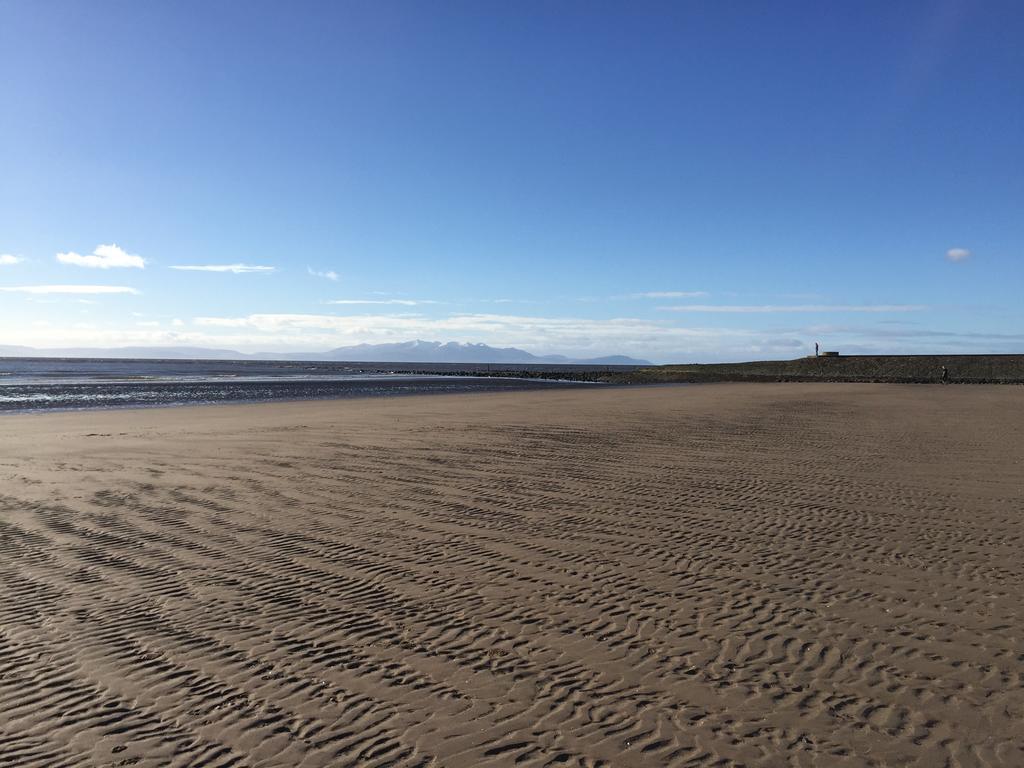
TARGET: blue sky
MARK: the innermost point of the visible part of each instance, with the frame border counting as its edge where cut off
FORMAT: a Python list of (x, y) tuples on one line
[(675, 181)]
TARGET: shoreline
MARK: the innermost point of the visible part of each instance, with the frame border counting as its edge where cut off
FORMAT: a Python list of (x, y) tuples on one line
[(326, 402), (36, 398), (556, 384)]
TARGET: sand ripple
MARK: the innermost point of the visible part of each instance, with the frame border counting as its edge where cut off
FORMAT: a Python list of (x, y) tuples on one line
[(793, 575)]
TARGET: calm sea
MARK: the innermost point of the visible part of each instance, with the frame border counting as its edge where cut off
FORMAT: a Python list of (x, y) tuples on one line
[(32, 384)]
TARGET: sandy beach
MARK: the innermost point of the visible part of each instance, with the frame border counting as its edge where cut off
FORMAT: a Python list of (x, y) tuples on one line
[(720, 575)]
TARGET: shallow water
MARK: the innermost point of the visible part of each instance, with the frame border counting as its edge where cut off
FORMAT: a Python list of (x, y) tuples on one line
[(33, 384)]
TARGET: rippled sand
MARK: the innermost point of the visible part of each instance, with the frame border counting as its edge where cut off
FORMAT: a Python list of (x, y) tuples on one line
[(729, 575)]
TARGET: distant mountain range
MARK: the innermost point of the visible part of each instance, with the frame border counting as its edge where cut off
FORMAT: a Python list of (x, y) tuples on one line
[(401, 352)]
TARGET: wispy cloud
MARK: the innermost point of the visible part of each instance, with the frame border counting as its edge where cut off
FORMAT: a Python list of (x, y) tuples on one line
[(9, 259), (508, 301), (667, 295), (783, 308), (103, 257), (888, 331), (958, 254), (329, 274), (573, 336), (236, 269), (74, 289), (400, 302), (581, 337), (229, 322)]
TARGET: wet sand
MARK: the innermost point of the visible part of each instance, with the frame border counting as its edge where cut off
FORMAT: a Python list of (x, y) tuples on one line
[(723, 575)]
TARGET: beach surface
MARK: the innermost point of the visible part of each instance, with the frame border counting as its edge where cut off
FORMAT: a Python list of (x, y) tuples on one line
[(720, 575)]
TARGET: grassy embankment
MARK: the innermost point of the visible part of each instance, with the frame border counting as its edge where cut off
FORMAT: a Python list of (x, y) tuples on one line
[(963, 369)]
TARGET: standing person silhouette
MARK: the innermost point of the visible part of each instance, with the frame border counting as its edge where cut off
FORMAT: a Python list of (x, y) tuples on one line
[(815, 349), (945, 375)]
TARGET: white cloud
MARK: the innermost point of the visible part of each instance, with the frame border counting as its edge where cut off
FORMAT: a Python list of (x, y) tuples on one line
[(575, 337), (9, 259), (177, 322), (668, 295), (329, 274), (401, 302), (572, 336), (236, 269), (226, 322), (782, 308), (103, 257), (958, 254), (76, 289)]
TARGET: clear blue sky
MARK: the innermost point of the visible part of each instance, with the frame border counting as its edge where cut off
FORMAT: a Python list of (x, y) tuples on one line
[(527, 174)]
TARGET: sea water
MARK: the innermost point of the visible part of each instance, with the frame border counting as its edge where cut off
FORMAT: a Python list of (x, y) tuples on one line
[(30, 384)]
